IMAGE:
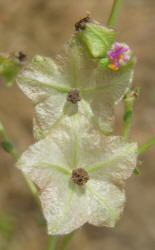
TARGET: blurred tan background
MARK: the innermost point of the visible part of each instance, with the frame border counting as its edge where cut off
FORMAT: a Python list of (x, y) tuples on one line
[(42, 26)]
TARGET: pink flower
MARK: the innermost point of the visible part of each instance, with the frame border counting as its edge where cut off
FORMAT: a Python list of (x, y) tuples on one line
[(118, 54)]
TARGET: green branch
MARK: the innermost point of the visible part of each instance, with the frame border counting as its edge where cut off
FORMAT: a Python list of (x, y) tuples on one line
[(142, 149), (6, 143), (129, 100), (52, 242), (66, 241), (114, 12), (146, 145), (127, 119), (64, 244)]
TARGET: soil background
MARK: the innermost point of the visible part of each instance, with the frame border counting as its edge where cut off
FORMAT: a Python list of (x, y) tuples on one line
[(42, 27)]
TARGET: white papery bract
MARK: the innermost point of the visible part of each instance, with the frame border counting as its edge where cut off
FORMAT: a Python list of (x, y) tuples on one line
[(47, 82), (74, 143)]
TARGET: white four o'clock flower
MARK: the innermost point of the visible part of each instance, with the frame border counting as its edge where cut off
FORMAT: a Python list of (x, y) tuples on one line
[(80, 174), (77, 80)]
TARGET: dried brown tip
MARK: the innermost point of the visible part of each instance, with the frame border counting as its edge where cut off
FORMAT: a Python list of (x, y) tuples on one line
[(80, 176), (73, 96), (82, 23), (21, 56)]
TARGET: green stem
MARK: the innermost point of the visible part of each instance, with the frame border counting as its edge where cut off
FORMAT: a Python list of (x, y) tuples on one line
[(129, 100), (66, 241), (127, 118), (10, 148), (33, 189), (146, 145), (114, 12), (6, 143), (52, 242)]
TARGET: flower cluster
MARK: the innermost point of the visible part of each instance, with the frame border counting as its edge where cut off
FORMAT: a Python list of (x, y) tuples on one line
[(120, 54), (79, 168)]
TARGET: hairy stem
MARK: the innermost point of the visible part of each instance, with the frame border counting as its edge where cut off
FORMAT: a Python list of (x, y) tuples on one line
[(8, 146), (114, 12), (146, 145), (52, 242)]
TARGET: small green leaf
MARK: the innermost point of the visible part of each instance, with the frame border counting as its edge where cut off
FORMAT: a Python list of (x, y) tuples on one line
[(8, 68), (97, 38), (136, 171)]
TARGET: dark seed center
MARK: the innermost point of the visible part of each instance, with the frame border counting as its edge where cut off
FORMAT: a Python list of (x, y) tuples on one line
[(73, 96), (80, 176)]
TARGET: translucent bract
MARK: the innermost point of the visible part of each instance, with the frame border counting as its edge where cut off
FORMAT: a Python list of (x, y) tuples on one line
[(47, 82), (74, 143)]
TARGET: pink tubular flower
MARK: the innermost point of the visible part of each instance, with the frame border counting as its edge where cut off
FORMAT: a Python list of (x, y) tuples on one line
[(118, 54)]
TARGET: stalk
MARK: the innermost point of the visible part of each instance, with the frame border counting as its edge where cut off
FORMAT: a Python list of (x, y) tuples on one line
[(114, 12)]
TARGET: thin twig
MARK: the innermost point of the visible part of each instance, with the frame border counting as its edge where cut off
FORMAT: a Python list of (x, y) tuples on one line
[(146, 145)]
